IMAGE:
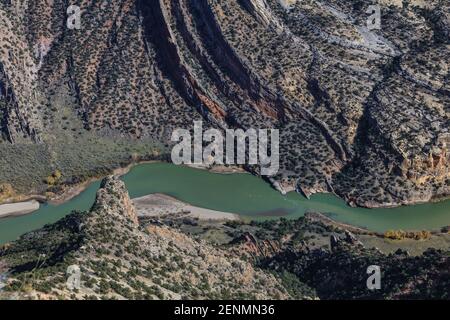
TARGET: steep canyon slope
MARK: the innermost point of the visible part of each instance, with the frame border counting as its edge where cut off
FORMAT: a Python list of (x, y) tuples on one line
[(362, 113)]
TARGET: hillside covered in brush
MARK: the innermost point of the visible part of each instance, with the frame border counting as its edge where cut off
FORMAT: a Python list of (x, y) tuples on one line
[(121, 255), (363, 113)]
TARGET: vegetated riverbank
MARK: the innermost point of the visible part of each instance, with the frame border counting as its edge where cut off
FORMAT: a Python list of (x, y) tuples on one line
[(65, 192), (75, 190), (68, 192), (243, 194), (22, 204), (27, 204), (246, 195)]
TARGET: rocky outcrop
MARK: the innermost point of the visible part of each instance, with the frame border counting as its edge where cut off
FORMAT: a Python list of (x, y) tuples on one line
[(249, 245), (349, 240), (113, 200)]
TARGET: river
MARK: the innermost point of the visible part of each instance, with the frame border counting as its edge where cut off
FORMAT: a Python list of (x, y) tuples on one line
[(244, 194)]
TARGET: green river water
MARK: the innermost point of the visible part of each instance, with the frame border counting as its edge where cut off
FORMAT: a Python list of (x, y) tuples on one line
[(244, 194)]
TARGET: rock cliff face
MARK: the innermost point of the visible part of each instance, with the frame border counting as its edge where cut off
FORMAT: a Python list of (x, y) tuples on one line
[(248, 244), (113, 200), (362, 113)]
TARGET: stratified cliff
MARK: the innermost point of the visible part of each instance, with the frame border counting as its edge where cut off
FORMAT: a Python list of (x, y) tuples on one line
[(362, 113)]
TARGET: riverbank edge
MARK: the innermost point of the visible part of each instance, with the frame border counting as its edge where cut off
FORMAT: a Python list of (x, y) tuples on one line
[(178, 206), (75, 190), (18, 209), (293, 187)]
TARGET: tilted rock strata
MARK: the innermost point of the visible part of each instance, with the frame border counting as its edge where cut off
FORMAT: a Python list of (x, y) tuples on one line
[(361, 113)]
